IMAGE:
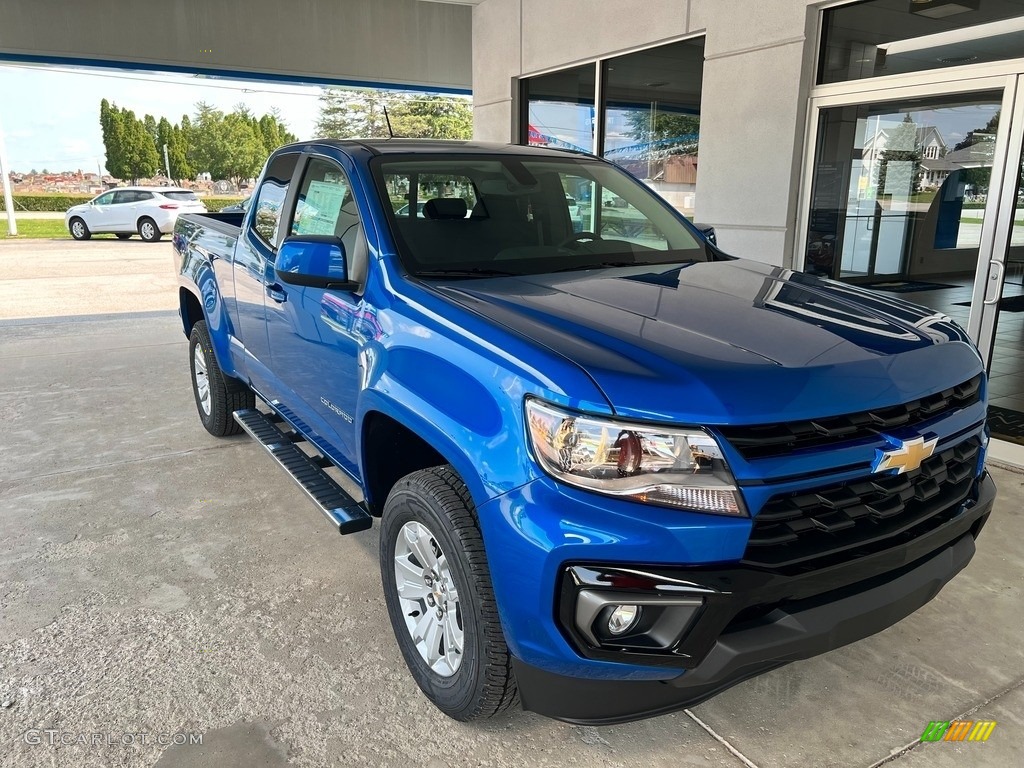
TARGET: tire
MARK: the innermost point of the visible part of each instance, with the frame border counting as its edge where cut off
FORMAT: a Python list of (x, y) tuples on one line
[(122, 235), (217, 396), (148, 230), (79, 229), (434, 506)]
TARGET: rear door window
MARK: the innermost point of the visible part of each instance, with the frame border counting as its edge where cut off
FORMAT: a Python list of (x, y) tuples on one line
[(266, 218), (124, 196)]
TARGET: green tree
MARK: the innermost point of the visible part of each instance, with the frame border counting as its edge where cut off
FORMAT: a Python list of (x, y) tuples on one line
[(149, 122), (348, 114), (177, 154), (646, 128), (113, 139), (977, 135), (140, 157), (431, 117), (226, 146), (902, 148), (130, 149)]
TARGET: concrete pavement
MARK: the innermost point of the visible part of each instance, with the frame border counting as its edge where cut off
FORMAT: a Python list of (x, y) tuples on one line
[(155, 580)]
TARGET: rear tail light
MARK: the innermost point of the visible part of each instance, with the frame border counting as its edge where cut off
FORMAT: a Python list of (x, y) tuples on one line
[(169, 206)]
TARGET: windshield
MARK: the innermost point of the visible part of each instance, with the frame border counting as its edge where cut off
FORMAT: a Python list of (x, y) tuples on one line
[(476, 215)]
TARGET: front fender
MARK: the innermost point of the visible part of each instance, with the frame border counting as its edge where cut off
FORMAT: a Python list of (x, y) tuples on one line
[(472, 455)]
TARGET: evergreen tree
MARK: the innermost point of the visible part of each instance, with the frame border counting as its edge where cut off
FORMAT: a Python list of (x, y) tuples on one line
[(113, 138), (431, 117), (348, 114)]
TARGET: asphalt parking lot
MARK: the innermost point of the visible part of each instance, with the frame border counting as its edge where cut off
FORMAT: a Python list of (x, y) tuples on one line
[(156, 581)]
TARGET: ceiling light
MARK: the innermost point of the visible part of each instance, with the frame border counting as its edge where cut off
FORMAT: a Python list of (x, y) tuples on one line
[(941, 9)]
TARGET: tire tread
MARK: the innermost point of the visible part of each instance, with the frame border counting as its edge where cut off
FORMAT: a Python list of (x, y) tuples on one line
[(444, 485), (227, 395)]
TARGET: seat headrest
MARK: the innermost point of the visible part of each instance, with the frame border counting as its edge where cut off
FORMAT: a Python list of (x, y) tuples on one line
[(445, 208)]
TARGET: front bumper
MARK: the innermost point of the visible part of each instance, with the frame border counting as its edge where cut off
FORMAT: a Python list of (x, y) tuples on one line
[(807, 615)]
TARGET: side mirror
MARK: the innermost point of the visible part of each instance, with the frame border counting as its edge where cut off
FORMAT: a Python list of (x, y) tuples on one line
[(315, 261)]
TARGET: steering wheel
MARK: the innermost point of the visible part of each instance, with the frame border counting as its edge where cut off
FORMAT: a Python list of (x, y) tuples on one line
[(578, 238)]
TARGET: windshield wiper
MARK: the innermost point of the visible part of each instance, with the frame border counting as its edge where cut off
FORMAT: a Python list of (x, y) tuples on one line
[(599, 265), (474, 272)]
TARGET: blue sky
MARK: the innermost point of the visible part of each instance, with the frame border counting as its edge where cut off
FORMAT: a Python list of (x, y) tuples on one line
[(50, 116)]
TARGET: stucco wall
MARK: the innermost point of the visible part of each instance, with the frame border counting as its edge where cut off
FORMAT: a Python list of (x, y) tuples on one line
[(757, 75)]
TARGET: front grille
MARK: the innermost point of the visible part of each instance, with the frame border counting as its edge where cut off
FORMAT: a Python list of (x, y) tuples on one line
[(763, 440), (848, 520)]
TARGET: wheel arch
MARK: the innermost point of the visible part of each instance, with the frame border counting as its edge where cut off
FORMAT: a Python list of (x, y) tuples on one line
[(394, 442), (208, 306)]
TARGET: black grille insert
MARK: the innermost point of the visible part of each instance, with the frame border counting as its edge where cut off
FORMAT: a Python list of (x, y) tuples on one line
[(851, 519), (763, 440)]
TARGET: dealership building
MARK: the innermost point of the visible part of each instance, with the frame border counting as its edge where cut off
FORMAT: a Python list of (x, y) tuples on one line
[(876, 142)]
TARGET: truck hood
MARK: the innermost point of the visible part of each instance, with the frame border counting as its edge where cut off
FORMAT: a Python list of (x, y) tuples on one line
[(729, 342)]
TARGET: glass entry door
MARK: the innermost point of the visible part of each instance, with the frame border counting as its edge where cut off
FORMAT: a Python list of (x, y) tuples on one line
[(999, 326), (918, 192), (900, 190)]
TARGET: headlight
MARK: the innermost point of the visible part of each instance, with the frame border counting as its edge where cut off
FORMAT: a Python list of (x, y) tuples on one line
[(680, 468)]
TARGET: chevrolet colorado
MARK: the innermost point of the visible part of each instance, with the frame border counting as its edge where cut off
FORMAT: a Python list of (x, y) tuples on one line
[(616, 471)]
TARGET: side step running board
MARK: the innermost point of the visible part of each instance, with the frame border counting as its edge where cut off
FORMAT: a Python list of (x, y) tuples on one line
[(341, 509)]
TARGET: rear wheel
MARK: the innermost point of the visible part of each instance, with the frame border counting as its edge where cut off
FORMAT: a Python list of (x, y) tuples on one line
[(148, 230), (438, 590), (123, 235), (79, 230), (217, 396)]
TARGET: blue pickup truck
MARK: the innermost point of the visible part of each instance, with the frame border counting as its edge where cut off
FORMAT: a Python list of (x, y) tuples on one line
[(615, 470)]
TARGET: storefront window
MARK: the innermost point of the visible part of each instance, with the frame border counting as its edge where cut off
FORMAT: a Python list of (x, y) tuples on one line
[(652, 117), (648, 122), (890, 37), (560, 109)]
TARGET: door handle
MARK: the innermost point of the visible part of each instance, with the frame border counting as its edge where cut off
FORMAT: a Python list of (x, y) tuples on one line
[(277, 293), (997, 279)]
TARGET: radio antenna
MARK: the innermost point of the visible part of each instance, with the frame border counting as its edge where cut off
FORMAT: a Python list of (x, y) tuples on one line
[(388, 120)]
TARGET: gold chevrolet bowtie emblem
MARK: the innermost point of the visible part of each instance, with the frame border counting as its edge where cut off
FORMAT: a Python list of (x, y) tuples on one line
[(907, 456)]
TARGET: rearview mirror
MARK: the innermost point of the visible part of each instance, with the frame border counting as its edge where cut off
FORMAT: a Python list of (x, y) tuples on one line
[(315, 261)]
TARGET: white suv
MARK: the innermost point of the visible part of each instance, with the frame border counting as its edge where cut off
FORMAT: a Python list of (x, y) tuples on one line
[(149, 211)]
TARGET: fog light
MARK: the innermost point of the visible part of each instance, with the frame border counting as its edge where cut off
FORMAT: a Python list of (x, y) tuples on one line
[(623, 618)]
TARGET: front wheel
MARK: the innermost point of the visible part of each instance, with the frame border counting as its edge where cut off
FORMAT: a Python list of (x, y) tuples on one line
[(217, 396), (438, 591), (79, 229), (149, 231)]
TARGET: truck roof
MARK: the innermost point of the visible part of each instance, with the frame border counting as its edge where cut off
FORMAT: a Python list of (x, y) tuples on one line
[(435, 146)]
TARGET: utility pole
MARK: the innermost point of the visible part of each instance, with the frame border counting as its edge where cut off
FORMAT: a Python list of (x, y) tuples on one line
[(167, 163), (12, 224)]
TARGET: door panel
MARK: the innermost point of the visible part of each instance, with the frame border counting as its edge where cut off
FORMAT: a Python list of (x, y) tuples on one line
[(101, 213), (315, 335)]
